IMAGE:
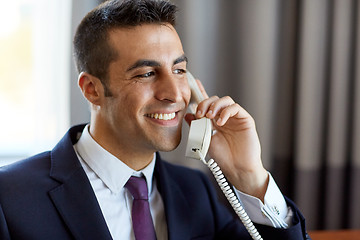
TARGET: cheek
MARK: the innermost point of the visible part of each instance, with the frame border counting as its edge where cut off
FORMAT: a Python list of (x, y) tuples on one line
[(136, 98)]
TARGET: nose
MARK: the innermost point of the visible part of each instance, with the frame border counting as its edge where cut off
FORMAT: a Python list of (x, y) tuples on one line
[(170, 88)]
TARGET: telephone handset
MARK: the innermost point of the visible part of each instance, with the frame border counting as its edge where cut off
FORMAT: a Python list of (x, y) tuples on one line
[(200, 129), (197, 147)]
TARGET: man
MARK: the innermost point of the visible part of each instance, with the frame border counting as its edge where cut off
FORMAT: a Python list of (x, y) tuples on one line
[(133, 74)]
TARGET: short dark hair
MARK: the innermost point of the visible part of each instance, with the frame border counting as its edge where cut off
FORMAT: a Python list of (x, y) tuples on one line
[(92, 51)]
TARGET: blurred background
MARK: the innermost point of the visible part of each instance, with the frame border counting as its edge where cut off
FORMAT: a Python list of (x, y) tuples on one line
[(293, 64)]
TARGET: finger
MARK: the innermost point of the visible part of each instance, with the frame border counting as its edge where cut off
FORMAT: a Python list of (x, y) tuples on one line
[(204, 106), (202, 89), (217, 106), (233, 110)]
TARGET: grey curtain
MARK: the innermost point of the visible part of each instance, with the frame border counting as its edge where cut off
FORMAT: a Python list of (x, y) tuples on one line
[(295, 66)]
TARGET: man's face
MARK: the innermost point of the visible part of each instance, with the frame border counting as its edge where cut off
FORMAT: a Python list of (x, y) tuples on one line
[(149, 90)]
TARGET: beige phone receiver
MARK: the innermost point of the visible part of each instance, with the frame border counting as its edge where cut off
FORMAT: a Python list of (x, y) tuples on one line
[(200, 129)]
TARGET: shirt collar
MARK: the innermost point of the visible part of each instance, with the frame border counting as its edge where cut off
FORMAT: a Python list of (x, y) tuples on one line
[(111, 170)]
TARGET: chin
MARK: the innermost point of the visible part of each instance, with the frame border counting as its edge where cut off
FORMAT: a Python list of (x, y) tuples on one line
[(168, 149), (168, 146)]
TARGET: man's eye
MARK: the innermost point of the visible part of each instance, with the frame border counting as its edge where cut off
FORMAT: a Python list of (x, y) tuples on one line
[(145, 75), (179, 71)]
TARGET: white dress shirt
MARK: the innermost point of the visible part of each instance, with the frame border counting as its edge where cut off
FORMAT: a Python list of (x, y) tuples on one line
[(108, 176)]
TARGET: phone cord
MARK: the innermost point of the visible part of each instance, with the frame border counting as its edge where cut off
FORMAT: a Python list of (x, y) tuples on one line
[(231, 197)]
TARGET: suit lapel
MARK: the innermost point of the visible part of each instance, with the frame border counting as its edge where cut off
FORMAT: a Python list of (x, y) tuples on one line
[(177, 212), (74, 197)]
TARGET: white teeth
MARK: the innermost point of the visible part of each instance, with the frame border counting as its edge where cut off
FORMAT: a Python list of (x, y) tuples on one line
[(162, 116)]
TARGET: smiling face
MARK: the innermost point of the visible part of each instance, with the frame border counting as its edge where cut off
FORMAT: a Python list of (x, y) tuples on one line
[(149, 93)]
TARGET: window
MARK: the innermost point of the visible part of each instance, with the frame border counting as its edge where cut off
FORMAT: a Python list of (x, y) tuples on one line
[(35, 46)]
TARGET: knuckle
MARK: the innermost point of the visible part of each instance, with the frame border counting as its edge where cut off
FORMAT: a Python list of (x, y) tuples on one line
[(236, 105), (215, 97), (229, 99)]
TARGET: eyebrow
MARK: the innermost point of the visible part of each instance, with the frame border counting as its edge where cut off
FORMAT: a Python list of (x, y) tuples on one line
[(180, 59), (151, 63), (144, 63)]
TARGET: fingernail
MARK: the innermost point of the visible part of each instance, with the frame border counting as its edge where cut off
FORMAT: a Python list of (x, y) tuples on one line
[(209, 113), (218, 122), (198, 113)]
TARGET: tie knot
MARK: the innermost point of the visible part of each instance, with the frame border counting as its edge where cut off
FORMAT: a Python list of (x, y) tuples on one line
[(137, 187)]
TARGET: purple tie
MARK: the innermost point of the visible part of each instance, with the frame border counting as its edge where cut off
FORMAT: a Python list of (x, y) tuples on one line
[(141, 217)]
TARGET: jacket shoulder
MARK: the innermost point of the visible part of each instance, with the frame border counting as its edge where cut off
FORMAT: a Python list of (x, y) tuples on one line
[(26, 167)]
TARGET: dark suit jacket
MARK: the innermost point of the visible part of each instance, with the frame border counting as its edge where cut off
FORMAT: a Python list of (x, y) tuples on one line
[(49, 196)]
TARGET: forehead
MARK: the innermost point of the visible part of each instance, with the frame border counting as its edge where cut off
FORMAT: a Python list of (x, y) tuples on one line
[(148, 41)]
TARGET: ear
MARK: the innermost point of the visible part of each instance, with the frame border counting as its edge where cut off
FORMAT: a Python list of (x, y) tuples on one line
[(91, 88)]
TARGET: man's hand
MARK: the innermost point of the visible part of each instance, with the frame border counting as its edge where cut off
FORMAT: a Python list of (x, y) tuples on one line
[(235, 146)]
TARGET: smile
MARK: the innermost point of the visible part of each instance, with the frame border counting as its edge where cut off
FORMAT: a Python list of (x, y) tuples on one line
[(162, 116)]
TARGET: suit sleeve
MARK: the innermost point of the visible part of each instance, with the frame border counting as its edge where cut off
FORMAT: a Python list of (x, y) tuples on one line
[(4, 231)]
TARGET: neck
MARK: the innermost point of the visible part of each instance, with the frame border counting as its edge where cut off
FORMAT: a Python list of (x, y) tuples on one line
[(136, 163), (133, 158)]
